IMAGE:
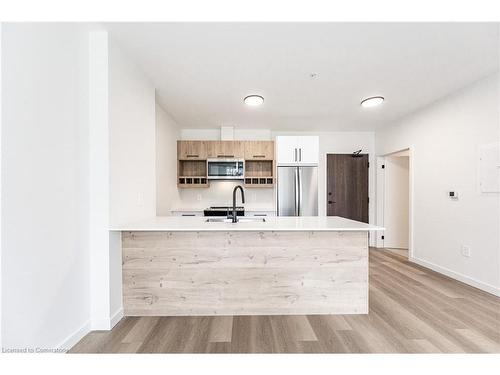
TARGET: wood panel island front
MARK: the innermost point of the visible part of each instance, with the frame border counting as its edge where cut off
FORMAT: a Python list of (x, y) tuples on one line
[(186, 266)]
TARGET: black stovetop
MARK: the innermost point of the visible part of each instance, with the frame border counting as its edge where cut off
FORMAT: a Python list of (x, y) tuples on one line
[(225, 208), (223, 211)]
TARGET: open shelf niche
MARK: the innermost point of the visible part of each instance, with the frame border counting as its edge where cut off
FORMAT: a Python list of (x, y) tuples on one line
[(192, 173), (259, 173)]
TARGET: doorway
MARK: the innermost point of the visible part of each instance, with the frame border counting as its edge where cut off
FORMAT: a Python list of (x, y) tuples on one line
[(394, 173), (347, 186)]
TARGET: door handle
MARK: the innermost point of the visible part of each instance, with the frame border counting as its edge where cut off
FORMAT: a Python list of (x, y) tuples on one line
[(296, 211), (299, 183), (331, 202)]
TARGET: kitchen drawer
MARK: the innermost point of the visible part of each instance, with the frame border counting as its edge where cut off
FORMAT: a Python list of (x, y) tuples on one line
[(260, 213), (187, 213)]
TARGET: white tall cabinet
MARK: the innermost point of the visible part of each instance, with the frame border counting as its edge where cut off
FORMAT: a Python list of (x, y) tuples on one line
[(298, 150)]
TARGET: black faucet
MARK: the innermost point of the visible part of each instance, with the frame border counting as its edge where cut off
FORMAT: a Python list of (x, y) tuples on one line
[(235, 216)]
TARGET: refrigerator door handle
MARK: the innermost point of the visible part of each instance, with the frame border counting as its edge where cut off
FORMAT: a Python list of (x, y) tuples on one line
[(296, 192), (299, 185)]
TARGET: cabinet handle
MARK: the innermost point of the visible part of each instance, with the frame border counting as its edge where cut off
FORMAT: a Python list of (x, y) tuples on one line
[(188, 215), (295, 154), (225, 156), (192, 156), (300, 154), (259, 156)]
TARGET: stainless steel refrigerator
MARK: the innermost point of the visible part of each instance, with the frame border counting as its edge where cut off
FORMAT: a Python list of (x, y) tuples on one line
[(297, 191)]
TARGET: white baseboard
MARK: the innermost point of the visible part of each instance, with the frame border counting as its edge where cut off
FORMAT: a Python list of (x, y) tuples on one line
[(76, 336), (106, 324), (458, 276), (117, 316)]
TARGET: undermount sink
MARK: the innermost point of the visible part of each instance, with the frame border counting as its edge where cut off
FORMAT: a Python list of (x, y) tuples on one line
[(240, 220)]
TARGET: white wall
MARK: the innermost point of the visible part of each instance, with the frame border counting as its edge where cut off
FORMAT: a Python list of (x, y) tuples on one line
[(99, 237), (132, 140), (1, 320), (214, 134), (71, 104), (444, 138), (167, 134), (45, 257)]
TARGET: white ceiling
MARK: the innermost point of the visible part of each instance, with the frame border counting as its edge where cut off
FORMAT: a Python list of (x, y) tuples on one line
[(202, 71)]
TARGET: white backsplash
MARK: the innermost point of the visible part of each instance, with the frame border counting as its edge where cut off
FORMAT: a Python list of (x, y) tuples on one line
[(220, 193)]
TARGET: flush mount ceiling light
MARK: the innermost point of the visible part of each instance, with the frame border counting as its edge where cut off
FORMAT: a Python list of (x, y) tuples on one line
[(253, 100), (373, 101)]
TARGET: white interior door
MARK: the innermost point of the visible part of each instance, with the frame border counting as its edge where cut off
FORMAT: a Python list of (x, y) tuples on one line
[(396, 202)]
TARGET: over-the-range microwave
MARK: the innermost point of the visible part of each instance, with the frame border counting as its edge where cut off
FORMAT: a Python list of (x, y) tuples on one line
[(225, 169)]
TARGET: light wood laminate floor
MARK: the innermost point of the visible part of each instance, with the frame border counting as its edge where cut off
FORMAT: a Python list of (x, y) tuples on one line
[(402, 252), (412, 310)]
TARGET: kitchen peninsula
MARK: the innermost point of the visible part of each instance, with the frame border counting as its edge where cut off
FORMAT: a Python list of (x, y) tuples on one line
[(277, 265)]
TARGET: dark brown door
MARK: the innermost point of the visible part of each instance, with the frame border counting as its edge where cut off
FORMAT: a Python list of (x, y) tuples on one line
[(347, 186)]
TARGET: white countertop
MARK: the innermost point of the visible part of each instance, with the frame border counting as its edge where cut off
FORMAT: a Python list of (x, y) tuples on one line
[(281, 223)]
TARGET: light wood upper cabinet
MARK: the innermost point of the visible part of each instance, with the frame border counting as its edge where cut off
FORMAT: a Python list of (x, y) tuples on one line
[(259, 150), (191, 150), (225, 149), (192, 161)]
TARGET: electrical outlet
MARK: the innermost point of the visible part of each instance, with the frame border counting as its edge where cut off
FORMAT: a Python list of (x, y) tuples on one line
[(140, 199), (465, 251)]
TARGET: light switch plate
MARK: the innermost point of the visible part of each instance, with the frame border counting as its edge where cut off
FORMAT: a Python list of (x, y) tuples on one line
[(465, 251)]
